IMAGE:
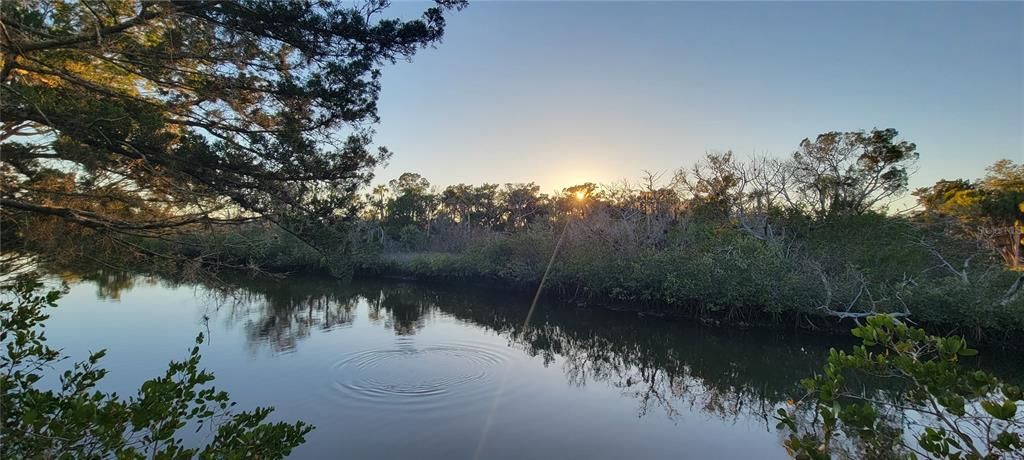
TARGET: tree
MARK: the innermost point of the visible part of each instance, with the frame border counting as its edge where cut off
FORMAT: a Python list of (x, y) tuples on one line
[(413, 205), (656, 200), (991, 209), (142, 118), (458, 203), (1002, 210), (488, 205), (852, 172), (578, 199), (943, 193), (523, 204), (377, 201), (1004, 175), (78, 421), (409, 183), (961, 413), (713, 185)]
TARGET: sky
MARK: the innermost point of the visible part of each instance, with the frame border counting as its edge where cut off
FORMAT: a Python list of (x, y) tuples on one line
[(559, 93)]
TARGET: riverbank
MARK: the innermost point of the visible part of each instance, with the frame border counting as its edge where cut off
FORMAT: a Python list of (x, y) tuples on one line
[(830, 277), (449, 269), (519, 280), (817, 276)]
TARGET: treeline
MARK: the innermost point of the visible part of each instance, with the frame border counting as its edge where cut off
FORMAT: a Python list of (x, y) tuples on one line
[(834, 177), (837, 174), (808, 236)]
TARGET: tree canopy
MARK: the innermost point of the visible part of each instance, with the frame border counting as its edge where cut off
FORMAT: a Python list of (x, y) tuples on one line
[(991, 208), (852, 172), (143, 117)]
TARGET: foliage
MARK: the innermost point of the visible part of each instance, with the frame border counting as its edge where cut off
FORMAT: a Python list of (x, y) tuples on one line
[(806, 237), (148, 118), (267, 247), (713, 185), (726, 240), (75, 420), (413, 204), (959, 413), (853, 172), (848, 267), (835, 176), (990, 209)]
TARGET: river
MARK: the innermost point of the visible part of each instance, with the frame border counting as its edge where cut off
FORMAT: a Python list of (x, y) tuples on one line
[(389, 369)]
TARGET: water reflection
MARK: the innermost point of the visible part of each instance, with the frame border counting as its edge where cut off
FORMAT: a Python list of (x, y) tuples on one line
[(109, 283), (372, 362), (280, 317), (667, 367)]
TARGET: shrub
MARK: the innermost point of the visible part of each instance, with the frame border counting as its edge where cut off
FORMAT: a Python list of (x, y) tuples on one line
[(78, 421), (949, 410)]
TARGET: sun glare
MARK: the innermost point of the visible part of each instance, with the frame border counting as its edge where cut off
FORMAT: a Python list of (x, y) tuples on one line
[(580, 195)]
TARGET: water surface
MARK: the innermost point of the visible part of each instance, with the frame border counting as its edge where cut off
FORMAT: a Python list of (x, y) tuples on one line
[(400, 370)]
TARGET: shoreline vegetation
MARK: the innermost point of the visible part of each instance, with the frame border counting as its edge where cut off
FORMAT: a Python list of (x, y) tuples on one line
[(731, 242), (804, 240)]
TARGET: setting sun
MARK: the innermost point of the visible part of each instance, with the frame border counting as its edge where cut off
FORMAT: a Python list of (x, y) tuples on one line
[(580, 195)]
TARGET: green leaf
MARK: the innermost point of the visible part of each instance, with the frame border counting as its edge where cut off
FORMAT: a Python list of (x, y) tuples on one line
[(968, 352), (1004, 411)]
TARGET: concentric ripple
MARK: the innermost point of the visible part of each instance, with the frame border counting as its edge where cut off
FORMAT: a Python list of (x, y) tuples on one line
[(428, 375)]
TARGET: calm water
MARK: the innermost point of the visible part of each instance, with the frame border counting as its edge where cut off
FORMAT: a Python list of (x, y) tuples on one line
[(400, 370)]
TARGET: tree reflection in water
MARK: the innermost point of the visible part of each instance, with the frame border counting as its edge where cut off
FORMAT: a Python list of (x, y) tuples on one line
[(671, 369), (666, 366)]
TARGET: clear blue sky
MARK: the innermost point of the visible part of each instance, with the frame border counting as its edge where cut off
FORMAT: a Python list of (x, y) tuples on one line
[(560, 93)]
